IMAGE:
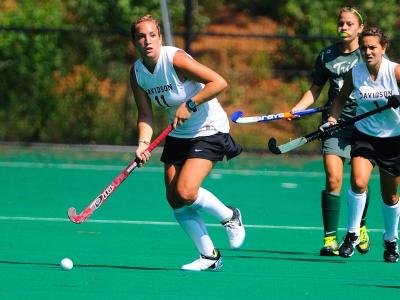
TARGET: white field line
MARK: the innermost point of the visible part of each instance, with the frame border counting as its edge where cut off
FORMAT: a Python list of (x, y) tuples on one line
[(159, 223), (146, 169), (35, 165)]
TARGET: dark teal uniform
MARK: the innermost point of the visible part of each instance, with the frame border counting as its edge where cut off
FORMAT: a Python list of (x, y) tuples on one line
[(331, 65)]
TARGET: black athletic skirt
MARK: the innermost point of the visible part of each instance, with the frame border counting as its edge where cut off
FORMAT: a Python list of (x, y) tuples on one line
[(214, 148), (384, 152)]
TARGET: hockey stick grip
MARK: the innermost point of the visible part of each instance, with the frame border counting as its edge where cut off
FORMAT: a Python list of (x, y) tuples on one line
[(159, 138)]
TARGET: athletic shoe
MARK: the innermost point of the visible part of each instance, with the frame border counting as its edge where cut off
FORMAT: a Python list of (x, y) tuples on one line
[(212, 263), (330, 247), (351, 240), (391, 253), (363, 246), (235, 229)]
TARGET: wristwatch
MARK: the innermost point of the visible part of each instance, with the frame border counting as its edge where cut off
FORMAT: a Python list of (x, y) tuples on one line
[(191, 105)]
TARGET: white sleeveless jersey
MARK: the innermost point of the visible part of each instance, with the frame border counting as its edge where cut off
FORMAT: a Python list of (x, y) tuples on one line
[(166, 90), (370, 94)]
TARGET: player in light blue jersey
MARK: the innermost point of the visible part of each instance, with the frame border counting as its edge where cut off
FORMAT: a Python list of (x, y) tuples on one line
[(375, 141), (331, 65), (171, 79)]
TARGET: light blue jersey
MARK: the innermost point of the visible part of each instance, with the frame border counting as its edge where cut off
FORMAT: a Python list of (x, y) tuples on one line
[(372, 93), (166, 90)]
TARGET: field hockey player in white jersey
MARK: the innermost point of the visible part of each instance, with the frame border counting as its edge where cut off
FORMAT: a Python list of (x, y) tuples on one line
[(376, 139), (331, 65), (169, 78)]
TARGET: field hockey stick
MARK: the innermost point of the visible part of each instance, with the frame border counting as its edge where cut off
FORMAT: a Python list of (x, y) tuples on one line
[(237, 116), (272, 146), (102, 197)]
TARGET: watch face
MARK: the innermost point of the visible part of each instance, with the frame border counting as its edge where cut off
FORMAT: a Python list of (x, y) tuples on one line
[(192, 106)]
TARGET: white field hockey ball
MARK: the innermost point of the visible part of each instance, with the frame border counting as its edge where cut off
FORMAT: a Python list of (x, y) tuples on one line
[(66, 264)]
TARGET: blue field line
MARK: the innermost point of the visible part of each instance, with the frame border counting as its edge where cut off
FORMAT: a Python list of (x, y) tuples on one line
[(162, 223)]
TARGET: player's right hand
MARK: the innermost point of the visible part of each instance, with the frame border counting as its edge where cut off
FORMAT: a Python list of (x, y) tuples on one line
[(142, 155)]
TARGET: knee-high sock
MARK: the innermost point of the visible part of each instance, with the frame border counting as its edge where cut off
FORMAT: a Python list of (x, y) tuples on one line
[(194, 226), (355, 205), (364, 215), (391, 220), (208, 203), (330, 205)]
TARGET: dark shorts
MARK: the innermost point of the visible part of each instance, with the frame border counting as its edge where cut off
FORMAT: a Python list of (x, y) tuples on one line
[(384, 152), (213, 148)]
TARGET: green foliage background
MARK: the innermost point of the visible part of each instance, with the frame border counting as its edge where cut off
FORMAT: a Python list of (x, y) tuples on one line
[(71, 85)]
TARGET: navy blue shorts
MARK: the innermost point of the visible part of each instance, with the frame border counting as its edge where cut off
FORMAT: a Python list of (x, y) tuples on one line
[(384, 152), (214, 148)]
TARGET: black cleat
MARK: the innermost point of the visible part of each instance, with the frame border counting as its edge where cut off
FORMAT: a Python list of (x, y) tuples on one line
[(391, 253), (351, 240)]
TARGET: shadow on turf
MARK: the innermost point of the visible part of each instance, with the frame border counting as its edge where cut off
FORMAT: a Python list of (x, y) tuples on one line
[(316, 258), (397, 287), (89, 266), (276, 252)]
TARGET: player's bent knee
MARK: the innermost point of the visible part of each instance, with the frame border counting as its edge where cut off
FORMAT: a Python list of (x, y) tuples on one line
[(187, 196), (359, 185)]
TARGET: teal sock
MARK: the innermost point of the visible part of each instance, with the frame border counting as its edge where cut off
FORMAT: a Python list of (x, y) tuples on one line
[(330, 205)]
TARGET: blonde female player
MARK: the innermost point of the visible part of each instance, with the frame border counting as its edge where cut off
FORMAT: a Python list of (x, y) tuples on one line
[(376, 139), (171, 79), (331, 65)]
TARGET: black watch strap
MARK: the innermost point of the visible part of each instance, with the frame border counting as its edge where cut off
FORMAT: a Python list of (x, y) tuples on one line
[(191, 105)]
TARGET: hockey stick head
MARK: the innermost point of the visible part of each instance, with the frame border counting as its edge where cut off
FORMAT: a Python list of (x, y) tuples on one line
[(72, 215), (236, 115), (79, 218), (273, 147)]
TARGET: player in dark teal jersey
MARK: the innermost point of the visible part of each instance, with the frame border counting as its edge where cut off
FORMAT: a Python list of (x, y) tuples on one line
[(331, 65)]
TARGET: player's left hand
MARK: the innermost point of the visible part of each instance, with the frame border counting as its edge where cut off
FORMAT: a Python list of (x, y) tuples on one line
[(182, 114)]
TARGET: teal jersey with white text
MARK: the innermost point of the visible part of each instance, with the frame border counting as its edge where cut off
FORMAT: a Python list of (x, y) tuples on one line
[(331, 65)]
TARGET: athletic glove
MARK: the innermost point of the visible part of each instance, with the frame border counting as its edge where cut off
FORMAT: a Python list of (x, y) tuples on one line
[(394, 101), (325, 126)]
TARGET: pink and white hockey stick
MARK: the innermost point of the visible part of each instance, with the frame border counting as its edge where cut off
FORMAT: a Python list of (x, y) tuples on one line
[(100, 199)]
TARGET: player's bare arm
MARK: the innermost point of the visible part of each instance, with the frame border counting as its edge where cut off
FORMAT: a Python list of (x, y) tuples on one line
[(397, 73), (308, 98), (188, 68), (145, 118)]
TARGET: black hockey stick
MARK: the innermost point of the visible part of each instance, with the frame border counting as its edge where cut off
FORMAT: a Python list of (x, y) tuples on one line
[(393, 102)]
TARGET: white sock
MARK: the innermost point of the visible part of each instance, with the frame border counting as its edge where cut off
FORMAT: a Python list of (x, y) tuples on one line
[(207, 202), (391, 220), (355, 205), (194, 226)]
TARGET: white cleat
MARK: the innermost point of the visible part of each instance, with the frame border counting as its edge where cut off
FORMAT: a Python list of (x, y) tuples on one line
[(212, 263), (235, 229)]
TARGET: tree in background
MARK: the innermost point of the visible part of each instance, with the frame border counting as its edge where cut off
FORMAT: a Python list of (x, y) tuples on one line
[(317, 19), (65, 79)]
